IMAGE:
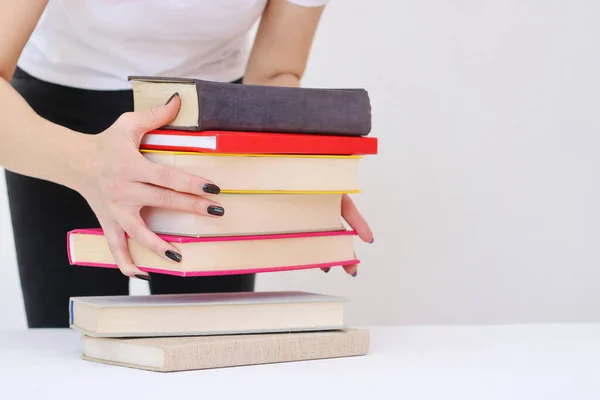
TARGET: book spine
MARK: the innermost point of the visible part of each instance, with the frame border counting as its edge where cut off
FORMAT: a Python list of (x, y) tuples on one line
[(342, 112)]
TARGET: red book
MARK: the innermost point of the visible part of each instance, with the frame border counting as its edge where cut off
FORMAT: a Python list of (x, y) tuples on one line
[(257, 143)]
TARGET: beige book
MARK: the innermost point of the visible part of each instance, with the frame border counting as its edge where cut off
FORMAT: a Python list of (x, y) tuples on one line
[(170, 354), (252, 214), (266, 172), (222, 255), (206, 313)]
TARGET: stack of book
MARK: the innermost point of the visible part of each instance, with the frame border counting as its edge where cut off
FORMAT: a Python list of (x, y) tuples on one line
[(168, 333), (282, 158)]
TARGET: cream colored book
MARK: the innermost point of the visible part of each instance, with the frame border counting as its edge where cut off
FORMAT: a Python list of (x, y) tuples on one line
[(170, 354), (267, 173), (206, 313), (252, 214), (221, 255)]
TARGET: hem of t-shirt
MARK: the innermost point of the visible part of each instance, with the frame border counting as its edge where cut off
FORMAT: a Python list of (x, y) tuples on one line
[(99, 83)]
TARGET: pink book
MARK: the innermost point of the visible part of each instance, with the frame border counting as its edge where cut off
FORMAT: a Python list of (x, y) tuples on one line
[(226, 255)]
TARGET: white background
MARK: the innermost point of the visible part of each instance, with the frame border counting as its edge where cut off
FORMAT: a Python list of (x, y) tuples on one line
[(485, 196)]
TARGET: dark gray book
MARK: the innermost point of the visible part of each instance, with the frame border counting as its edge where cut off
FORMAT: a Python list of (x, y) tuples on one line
[(221, 106)]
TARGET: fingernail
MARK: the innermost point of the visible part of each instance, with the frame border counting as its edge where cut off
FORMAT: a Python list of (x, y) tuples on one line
[(210, 188), (173, 256), (354, 274), (143, 277), (216, 210), (326, 270), (171, 98), (372, 240)]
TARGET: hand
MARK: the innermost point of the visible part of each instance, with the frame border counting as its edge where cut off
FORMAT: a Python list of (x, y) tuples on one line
[(118, 181), (353, 217)]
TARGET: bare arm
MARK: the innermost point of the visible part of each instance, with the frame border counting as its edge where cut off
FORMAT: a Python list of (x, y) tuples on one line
[(17, 21), (106, 169), (279, 57), (282, 45), (22, 148)]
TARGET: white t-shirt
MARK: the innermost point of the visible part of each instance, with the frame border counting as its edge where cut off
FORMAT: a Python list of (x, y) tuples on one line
[(97, 44)]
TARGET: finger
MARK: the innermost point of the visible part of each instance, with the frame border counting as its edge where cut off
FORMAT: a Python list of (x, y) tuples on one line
[(351, 269), (176, 179), (138, 231), (143, 121), (117, 243), (353, 217), (165, 198)]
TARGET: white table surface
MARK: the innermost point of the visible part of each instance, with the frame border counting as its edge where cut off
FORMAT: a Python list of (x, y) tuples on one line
[(483, 363)]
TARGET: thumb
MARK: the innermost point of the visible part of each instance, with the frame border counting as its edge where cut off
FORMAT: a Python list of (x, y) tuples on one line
[(155, 117)]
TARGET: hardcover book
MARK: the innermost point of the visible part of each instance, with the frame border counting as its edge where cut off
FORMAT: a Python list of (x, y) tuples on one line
[(252, 214), (206, 314), (172, 354), (267, 173), (207, 105), (257, 143), (222, 255)]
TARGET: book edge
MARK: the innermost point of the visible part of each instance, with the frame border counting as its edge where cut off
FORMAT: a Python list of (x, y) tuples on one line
[(227, 272), (269, 155), (190, 239), (309, 297), (196, 81), (234, 332), (124, 365)]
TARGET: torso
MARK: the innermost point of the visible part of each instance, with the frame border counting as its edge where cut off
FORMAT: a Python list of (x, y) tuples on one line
[(96, 44)]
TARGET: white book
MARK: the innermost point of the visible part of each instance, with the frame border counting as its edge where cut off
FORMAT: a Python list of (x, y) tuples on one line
[(206, 314)]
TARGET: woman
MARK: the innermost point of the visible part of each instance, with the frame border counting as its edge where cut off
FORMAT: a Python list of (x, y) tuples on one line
[(69, 140)]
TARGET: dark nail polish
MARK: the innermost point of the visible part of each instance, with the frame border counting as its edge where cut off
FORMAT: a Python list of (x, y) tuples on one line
[(210, 188), (171, 98), (173, 256), (215, 210), (354, 274), (326, 270), (372, 240), (143, 277)]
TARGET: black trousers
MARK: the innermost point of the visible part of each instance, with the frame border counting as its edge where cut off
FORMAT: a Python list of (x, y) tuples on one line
[(43, 212)]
